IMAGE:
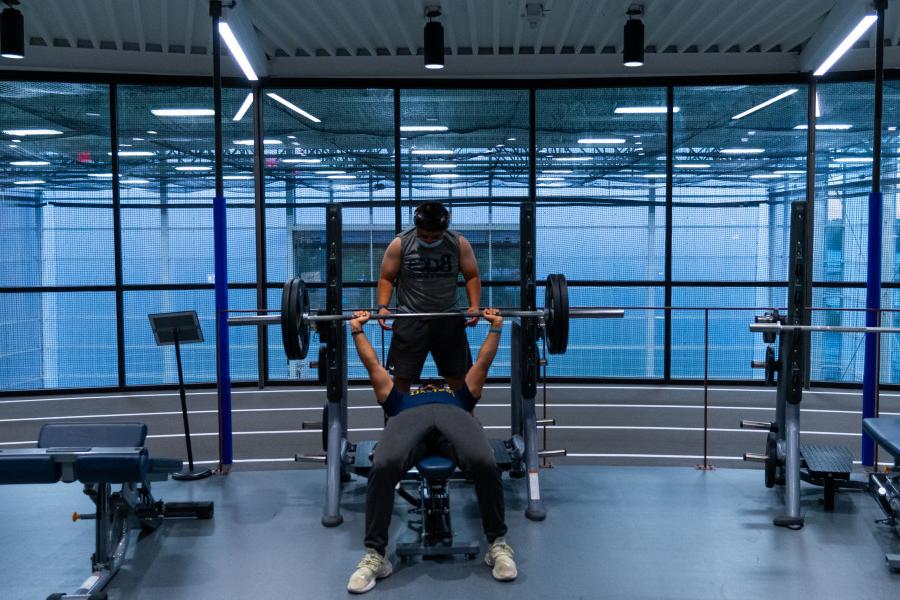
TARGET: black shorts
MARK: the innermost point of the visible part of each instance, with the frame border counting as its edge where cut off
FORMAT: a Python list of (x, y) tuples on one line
[(444, 338)]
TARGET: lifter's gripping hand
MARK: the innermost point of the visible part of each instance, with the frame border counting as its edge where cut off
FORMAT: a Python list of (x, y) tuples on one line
[(360, 318), (383, 322), (493, 316), (474, 320)]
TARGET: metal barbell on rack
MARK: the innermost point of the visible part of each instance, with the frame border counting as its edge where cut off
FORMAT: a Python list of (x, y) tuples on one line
[(779, 327), (296, 317)]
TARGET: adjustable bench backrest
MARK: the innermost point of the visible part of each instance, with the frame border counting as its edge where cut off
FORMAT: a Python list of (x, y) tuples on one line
[(112, 435)]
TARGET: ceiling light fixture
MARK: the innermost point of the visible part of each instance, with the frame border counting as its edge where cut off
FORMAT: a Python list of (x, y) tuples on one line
[(193, 168), (601, 141), (423, 128), (762, 105), (643, 110), (292, 106), (301, 161), (266, 142), (826, 126), (741, 150), (846, 44), (633, 48), (12, 32), (30, 182), (245, 106), (183, 112), (434, 39), (29, 163), (236, 51), (134, 153), (329, 172), (437, 165), (427, 152), (691, 166), (24, 132)]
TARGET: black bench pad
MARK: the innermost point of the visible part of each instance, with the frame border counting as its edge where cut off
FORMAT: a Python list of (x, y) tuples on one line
[(111, 435), (885, 431)]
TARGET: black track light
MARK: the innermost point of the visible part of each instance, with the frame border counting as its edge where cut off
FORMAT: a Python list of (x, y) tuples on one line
[(434, 40), (633, 51), (12, 32)]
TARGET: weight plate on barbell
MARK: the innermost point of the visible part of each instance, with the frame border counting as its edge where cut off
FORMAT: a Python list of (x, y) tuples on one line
[(294, 328), (556, 319)]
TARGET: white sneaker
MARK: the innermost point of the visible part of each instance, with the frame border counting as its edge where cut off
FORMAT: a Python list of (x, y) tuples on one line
[(500, 557), (372, 566)]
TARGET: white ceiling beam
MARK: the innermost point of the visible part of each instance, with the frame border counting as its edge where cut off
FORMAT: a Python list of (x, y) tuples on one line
[(117, 33), (567, 26), (473, 25), (733, 32), (35, 24), (303, 27), (189, 26), (841, 19), (716, 23), (88, 23), (400, 23), (542, 28), (335, 33), (774, 36), (352, 23), (277, 31), (63, 23), (240, 21), (164, 25), (495, 23), (372, 19), (517, 40), (675, 33), (448, 25), (139, 24), (599, 8)]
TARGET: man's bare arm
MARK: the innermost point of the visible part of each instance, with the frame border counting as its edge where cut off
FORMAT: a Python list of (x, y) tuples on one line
[(390, 269), (378, 375), (477, 374), (468, 266)]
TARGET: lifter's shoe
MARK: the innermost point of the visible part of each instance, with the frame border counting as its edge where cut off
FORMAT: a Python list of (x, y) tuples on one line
[(500, 557), (372, 566)]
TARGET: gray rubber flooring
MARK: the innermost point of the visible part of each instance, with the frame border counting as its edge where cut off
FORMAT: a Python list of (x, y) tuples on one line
[(611, 532), (597, 424)]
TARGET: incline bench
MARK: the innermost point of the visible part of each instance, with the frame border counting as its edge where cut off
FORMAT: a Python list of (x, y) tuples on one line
[(100, 455), (886, 486)]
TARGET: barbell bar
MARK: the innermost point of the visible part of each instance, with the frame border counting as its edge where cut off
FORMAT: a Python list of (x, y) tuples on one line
[(296, 317), (778, 327)]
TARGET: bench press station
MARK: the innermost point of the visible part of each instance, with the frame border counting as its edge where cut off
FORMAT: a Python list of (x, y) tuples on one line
[(100, 455)]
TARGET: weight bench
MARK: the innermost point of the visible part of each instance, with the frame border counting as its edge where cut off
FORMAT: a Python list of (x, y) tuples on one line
[(435, 537), (100, 455), (885, 487)]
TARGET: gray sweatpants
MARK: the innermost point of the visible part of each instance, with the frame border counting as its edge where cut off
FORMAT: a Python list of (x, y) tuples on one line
[(441, 429)]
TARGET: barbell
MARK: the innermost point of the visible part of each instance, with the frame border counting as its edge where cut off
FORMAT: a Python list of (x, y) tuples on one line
[(779, 327), (296, 317)]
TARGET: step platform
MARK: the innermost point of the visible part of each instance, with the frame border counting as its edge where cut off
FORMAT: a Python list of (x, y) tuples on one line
[(827, 466)]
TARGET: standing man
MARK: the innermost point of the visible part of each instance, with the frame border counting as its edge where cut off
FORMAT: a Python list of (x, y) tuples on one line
[(424, 264)]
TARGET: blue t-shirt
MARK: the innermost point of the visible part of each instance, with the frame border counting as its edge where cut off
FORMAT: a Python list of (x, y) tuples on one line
[(397, 402)]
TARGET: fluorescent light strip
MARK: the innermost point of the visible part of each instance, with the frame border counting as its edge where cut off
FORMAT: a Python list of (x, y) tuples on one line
[(556, 171), (818, 110), (292, 106), (574, 159), (551, 179), (236, 51), (741, 150), (29, 182), (341, 177), (765, 176), (183, 112), (846, 44), (444, 175), (135, 181), (655, 176), (412, 128), (100, 175), (826, 126), (24, 132), (601, 141), (691, 166), (790, 172), (237, 177), (266, 142), (192, 168), (134, 153), (437, 165), (643, 110), (248, 101), (426, 152), (854, 159), (302, 161), (329, 172), (762, 105), (29, 163)]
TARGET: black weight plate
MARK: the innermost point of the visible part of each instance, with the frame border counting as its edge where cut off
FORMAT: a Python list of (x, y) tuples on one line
[(562, 314), (302, 307), (323, 364), (324, 426), (550, 314), (771, 459), (288, 335), (556, 321), (770, 365)]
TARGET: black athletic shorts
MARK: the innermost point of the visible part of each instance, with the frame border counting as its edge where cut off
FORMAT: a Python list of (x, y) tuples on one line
[(444, 338)]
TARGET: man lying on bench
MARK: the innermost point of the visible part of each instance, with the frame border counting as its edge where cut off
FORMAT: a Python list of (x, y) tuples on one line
[(100, 455)]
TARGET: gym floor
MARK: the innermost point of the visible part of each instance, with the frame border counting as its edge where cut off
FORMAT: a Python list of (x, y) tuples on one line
[(623, 531)]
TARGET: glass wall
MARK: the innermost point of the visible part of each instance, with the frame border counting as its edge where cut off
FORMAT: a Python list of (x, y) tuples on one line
[(603, 204)]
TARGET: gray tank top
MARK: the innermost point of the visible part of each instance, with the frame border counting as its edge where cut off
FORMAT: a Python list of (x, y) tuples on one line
[(428, 276)]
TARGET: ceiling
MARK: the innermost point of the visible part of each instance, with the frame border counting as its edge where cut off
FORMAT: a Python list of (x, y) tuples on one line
[(484, 38)]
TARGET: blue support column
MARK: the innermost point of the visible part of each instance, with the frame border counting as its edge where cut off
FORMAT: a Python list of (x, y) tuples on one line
[(873, 304), (223, 363)]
